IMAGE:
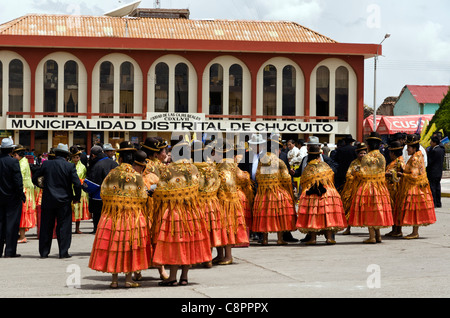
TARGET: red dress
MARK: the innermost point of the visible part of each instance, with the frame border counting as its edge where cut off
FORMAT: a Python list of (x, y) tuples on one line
[(120, 244), (183, 237), (231, 204), (415, 204), (273, 208), (209, 183), (319, 212), (371, 205)]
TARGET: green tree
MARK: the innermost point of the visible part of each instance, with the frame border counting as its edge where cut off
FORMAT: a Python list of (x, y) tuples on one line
[(442, 117)]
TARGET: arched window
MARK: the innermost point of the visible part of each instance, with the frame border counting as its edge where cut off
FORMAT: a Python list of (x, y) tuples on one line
[(162, 88), (323, 91), (126, 88), (216, 89), (50, 86), (106, 87), (71, 87), (16, 86), (236, 90), (182, 88), (289, 90), (270, 91), (342, 93)]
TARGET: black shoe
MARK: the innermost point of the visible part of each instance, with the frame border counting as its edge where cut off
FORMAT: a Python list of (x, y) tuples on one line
[(287, 237), (66, 256), (12, 256), (307, 238)]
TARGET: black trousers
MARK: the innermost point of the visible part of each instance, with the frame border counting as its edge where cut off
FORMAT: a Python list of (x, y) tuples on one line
[(435, 185), (10, 214), (95, 208), (62, 213)]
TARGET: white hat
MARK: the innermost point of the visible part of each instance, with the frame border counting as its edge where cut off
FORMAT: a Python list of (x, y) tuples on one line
[(7, 143), (108, 147), (313, 141), (62, 148), (256, 139)]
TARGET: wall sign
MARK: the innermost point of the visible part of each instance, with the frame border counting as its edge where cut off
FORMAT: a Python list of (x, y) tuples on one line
[(170, 123)]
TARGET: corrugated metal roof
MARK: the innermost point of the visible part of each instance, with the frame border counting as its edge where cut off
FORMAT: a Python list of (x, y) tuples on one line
[(150, 28), (428, 94)]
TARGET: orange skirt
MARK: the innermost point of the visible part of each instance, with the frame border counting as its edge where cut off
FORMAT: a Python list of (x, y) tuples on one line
[(248, 209), (234, 218), (317, 213), (120, 245), (371, 206), (183, 240), (183, 237), (415, 206), (28, 219), (215, 219), (273, 209)]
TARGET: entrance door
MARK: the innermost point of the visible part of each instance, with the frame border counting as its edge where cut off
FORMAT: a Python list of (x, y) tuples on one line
[(60, 137), (115, 138)]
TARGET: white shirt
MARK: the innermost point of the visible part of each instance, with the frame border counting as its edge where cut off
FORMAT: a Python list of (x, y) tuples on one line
[(294, 156), (422, 149)]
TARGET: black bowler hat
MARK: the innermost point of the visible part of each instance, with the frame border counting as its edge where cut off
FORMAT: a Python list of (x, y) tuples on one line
[(126, 146), (374, 136)]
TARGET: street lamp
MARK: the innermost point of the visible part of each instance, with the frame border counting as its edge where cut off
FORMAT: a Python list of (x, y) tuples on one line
[(375, 85)]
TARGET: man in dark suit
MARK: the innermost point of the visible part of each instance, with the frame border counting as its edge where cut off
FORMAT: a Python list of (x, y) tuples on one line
[(60, 183), (344, 157), (99, 167), (436, 157), (11, 199)]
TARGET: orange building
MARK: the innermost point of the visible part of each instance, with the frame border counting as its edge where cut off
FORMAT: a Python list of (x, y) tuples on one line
[(82, 79)]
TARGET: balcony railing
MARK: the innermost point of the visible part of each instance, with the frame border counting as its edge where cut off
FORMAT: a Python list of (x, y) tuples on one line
[(127, 115)]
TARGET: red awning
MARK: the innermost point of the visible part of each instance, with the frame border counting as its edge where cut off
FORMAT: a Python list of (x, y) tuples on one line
[(390, 125), (368, 124)]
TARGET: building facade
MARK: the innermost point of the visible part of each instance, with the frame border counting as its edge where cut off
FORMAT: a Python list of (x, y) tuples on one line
[(420, 99), (87, 79)]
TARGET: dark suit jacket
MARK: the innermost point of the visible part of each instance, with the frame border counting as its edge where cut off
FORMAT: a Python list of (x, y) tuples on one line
[(60, 181), (11, 182), (344, 157), (436, 157), (99, 168), (283, 156)]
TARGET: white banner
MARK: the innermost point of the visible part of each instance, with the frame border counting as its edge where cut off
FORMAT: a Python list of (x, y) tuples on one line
[(162, 124)]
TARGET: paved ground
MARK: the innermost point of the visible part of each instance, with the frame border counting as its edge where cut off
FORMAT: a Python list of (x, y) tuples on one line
[(394, 268)]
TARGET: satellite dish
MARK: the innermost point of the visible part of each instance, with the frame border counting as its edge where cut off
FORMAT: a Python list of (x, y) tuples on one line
[(125, 10)]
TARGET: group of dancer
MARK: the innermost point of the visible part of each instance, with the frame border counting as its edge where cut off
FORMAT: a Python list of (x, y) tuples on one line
[(397, 195), (172, 216)]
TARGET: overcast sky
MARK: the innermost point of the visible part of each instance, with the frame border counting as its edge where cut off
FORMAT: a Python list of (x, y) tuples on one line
[(417, 53)]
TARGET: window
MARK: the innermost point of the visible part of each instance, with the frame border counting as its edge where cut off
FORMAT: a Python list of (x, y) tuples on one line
[(106, 88), (51, 87), (71, 87), (216, 89), (270, 91), (126, 88), (236, 89), (162, 88), (16, 86), (342, 92), (323, 91), (182, 88), (289, 90)]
